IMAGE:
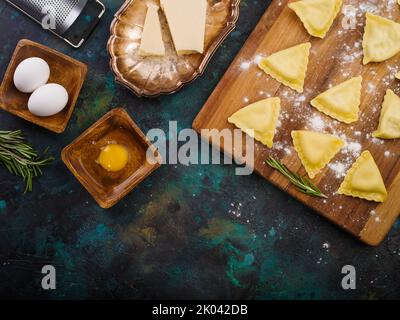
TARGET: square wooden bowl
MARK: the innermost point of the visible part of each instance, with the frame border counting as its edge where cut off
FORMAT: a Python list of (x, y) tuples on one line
[(64, 70), (107, 188)]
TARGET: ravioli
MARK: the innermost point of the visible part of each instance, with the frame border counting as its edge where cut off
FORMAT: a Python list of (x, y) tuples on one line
[(288, 66), (381, 39), (364, 180), (259, 120), (315, 149), (397, 75), (341, 102), (317, 15), (389, 122)]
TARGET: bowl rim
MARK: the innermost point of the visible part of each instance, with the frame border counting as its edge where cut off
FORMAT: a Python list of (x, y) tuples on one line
[(140, 92), (74, 99), (108, 201)]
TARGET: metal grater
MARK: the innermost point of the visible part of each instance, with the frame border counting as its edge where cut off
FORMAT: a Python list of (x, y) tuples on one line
[(65, 12)]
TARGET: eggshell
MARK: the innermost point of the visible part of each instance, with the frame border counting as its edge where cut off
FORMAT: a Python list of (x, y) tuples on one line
[(31, 74), (48, 100)]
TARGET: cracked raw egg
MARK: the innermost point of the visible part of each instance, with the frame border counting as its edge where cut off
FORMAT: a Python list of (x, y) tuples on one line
[(113, 157)]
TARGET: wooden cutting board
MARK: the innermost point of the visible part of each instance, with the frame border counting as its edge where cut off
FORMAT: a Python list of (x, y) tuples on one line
[(333, 59)]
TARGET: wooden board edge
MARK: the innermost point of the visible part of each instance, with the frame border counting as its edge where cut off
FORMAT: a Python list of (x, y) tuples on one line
[(379, 224), (374, 235)]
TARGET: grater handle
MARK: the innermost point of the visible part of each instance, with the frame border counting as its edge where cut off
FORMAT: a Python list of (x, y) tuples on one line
[(90, 29)]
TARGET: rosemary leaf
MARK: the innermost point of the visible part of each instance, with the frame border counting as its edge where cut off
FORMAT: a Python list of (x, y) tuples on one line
[(302, 184), (19, 158)]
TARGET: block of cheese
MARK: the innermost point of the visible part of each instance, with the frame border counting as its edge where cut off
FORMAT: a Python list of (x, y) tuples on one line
[(187, 23), (152, 43)]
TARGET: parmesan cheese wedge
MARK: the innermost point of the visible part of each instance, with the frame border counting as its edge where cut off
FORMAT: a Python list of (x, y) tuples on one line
[(187, 23), (152, 43)]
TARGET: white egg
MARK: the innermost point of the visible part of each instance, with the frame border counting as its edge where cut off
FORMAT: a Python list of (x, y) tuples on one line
[(30, 74), (48, 100)]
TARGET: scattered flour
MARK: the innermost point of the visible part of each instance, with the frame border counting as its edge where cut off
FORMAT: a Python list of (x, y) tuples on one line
[(375, 140), (351, 151), (257, 59), (316, 123), (236, 209), (325, 245), (338, 168), (299, 100), (288, 150), (367, 6), (371, 87), (245, 65), (354, 148), (278, 145)]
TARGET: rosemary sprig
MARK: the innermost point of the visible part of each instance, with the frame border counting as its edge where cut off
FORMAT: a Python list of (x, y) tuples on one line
[(303, 184), (20, 158)]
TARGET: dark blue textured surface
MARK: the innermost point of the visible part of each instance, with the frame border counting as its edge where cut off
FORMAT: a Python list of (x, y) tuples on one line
[(179, 234)]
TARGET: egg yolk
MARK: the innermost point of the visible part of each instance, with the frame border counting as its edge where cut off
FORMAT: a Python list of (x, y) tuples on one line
[(113, 157)]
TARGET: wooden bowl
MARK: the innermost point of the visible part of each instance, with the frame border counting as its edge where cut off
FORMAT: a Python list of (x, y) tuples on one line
[(153, 76), (64, 70), (107, 188)]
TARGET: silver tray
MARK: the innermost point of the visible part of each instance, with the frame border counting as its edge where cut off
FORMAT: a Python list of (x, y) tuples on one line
[(153, 76)]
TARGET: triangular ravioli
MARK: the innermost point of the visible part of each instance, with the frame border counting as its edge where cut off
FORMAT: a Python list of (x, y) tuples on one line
[(389, 122), (397, 75), (288, 66), (364, 180), (315, 149), (341, 102), (381, 39), (259, 120), (317, 15)]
